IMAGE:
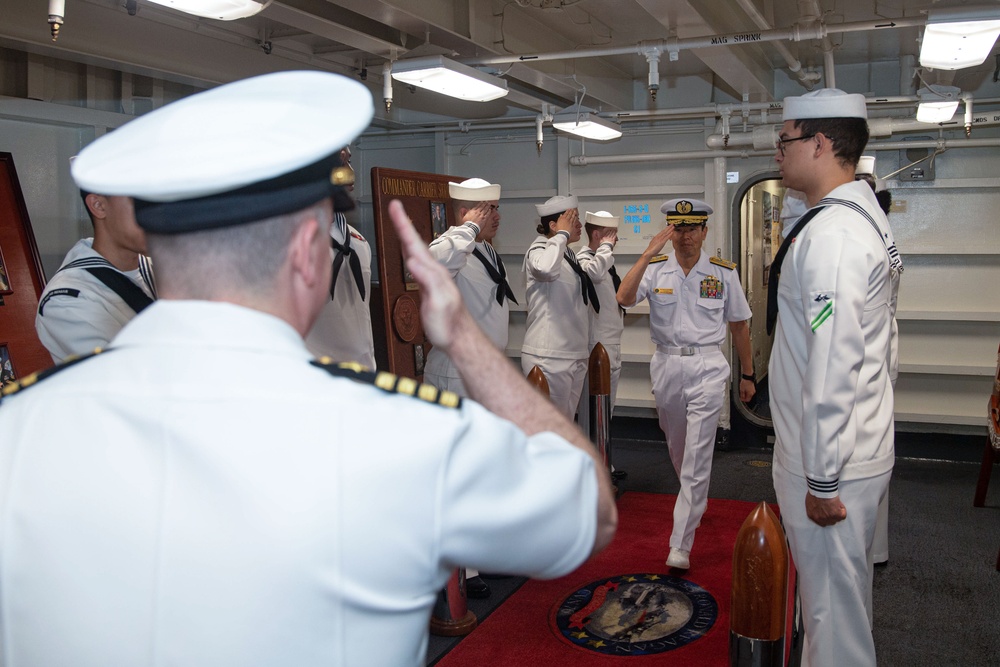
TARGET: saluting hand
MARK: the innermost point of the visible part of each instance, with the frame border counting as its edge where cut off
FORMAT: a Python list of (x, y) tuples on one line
[(480, 214), (565, 221), (656, 243), (441, 308)]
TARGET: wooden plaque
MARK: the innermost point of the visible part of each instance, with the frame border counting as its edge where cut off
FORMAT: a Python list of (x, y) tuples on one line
[(399, 334), (21, 282)]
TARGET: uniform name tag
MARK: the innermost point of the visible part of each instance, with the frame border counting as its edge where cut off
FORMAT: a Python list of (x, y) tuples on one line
[(663, 290)]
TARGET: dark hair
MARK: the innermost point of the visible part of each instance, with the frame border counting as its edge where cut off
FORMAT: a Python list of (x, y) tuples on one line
[(544, 227), (849, 136), (884, 198)]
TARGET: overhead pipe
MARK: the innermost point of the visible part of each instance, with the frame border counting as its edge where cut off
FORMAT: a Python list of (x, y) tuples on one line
[(796, 33), (810, 11), (807, 79), (939, 144)]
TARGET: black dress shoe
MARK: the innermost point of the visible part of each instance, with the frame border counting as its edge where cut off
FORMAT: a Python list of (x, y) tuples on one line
[(486, 575), (476, 588), (619, 475)]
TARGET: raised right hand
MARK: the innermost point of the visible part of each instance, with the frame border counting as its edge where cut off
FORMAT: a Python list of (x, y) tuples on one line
[(656, 243), (565, 221)]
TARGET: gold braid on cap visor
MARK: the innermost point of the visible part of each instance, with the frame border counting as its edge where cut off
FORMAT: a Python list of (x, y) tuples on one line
[(687, 219)]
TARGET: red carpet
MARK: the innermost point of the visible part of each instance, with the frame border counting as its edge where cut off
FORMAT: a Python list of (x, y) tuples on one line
[(524, 629)]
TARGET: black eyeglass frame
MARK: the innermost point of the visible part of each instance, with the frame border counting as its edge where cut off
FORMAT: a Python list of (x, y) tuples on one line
[(781, 142)]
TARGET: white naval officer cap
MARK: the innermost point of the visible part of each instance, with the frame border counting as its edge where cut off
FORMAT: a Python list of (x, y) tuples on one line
[(474, 189), (824, 103), (602, 219), (238, 153), (557, 204), (682, 212)]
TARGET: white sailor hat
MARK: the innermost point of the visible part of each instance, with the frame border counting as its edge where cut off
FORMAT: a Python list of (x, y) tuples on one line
[(242, 152), (824, 103), (866, 165), (602, 219), (683, 212), (556, 204), (474, 189), (793, 207)]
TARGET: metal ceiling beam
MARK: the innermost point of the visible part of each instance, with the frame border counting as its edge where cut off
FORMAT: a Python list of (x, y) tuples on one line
[(744, 70)]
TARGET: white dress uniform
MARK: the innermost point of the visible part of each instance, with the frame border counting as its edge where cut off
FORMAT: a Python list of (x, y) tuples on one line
[(454, 250), (606, 326), (832, 403), (688, 316), (77, 312), (556, 338), (343, 330), (208, 496)]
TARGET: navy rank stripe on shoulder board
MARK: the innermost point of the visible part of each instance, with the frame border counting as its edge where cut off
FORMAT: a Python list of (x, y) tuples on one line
[(722, 262), (390, 383), (33, 379), (659, 258)]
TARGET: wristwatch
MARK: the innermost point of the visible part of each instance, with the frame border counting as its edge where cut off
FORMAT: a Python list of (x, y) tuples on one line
[(752, 377)]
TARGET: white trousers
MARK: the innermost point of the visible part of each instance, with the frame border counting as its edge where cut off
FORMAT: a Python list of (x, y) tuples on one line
[(880, 547), (689, 392), (445, 383), (834, 569), (565, 378)]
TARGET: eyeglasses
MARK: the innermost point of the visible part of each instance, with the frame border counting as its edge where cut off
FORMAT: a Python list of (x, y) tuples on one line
[(781, 142)]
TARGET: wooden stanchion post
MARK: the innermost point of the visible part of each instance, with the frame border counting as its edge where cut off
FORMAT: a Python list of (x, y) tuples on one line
[(451, 616), (536, 378), (760, 592)]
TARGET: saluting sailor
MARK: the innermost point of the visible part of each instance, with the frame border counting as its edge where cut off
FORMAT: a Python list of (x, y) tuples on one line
[(560, 296), (466, 250), (343, 330), (598, 260), (691, 299)]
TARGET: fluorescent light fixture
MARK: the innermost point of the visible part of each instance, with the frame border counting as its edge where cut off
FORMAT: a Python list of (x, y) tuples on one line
[(586, 125), (959, 37), (223, 10), (937, 103), (448, 77)]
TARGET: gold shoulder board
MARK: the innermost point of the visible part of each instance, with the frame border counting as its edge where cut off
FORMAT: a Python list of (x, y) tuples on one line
[(659, 258), (35, 378), (723, 262), (390, 383)]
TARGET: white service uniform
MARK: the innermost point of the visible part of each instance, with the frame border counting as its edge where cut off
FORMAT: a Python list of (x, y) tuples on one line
[(77, 312), (556, 337), (688, 316), (343, 330), (606, 326), (453, 249), (832, 405), (207, 496)]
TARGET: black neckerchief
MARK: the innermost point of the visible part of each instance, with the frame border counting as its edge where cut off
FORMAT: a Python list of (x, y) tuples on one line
[(775, 272)]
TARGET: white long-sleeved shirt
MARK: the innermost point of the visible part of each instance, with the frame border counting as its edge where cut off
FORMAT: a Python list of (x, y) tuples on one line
[(831, 397), (558, 320)]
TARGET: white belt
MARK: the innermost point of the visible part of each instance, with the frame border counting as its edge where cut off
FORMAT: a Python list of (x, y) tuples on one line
[(688, 351)]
